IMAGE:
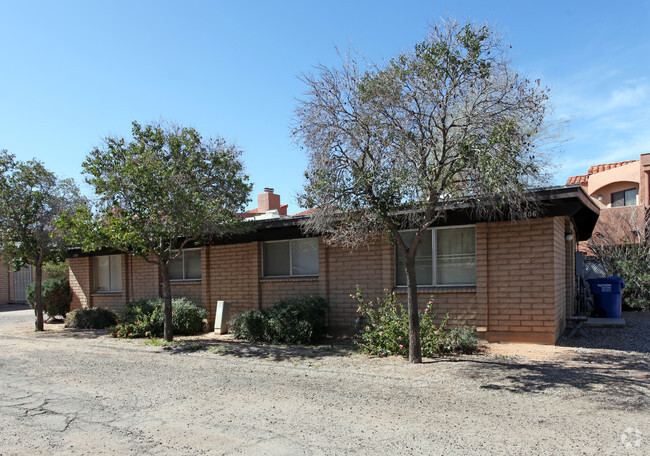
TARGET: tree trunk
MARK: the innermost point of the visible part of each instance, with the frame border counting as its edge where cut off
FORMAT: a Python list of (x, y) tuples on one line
[(38, 294), (167, 298), (415, 349)]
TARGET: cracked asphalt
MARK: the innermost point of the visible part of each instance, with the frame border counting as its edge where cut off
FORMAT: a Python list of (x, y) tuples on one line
[(71, 392)]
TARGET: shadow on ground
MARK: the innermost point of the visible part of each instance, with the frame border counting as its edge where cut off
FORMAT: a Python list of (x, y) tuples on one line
[(611, 365), (243, 349), (633, 337), (618, 378), (13, 307)]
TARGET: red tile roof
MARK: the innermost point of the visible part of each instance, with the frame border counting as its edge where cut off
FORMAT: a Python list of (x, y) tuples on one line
[(307, 212), (596, 169), (599, 168), (577, 179), (256, 211)]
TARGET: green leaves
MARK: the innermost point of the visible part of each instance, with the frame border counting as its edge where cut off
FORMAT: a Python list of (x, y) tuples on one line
[(31, 199), (164, 187), (448, 123)]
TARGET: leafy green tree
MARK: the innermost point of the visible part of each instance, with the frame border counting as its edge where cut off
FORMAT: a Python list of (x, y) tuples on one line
[(165, 189), (395, 146), (31, 198), (57, 270)]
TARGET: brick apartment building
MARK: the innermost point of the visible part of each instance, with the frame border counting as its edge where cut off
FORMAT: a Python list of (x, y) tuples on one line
[(513, 281)]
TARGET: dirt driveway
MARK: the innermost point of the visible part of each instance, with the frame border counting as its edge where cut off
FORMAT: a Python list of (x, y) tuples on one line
[(82, 392)]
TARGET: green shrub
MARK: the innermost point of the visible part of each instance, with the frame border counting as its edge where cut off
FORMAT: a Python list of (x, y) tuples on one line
[(56, 270), (56, 296), (461, 340), (292, 321), (385, 329), (249, 325), (95, 318), (187, 317), (146, 318), (131, 330), (140, 309)]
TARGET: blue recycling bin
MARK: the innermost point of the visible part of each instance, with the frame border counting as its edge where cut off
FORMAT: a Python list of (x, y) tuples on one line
[(607, 295)]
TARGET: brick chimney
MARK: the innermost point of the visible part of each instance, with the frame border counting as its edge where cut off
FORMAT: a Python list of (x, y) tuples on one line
[(269, 201)]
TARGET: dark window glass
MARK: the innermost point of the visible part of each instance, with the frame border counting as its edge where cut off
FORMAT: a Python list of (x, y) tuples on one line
[(624, 198)]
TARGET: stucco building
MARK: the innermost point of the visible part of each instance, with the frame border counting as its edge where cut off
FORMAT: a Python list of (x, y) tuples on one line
[(622, 192)]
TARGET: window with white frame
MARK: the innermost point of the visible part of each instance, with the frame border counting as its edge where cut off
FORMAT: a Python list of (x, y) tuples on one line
[(187, 266), (291, 258), (107, 273), (446, 256)]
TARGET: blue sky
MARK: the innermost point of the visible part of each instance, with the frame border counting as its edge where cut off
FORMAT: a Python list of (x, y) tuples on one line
[(72, 73)]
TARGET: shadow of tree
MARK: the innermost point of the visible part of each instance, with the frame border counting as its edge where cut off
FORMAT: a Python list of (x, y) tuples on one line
[(617, 377), (72, 333), (634, 336), (242, 349)]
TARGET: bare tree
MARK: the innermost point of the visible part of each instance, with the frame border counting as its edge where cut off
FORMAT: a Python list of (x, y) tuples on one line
[(620, 244), (396, 146)]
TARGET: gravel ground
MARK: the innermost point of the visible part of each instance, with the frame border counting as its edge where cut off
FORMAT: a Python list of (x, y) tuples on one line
[(81, 392)]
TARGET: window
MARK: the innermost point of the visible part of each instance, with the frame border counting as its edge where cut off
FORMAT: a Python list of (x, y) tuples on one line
[(446, 256), (297, 257), (107, 273), (187, 266), (624, 198)]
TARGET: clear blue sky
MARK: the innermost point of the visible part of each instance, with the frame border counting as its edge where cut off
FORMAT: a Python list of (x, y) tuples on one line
[(73, 73)]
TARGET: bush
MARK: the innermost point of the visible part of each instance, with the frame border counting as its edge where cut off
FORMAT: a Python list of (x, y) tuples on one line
[(187, 317), (146, 318), (95, 318), (140, 309), (249, 325), (385, 329), (461, 340), (293, 321), (56, 270), (56, 296)]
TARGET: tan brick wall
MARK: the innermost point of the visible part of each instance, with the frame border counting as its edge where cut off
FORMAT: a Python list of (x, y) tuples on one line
[(190, 290), (520, 293), (113, 301), (274, 290), (234, 272), (525, 267), (80, 277), (370, 267), (140, 278)]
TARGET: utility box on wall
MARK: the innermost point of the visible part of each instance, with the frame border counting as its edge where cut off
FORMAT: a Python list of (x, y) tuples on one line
[(223, 315)]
